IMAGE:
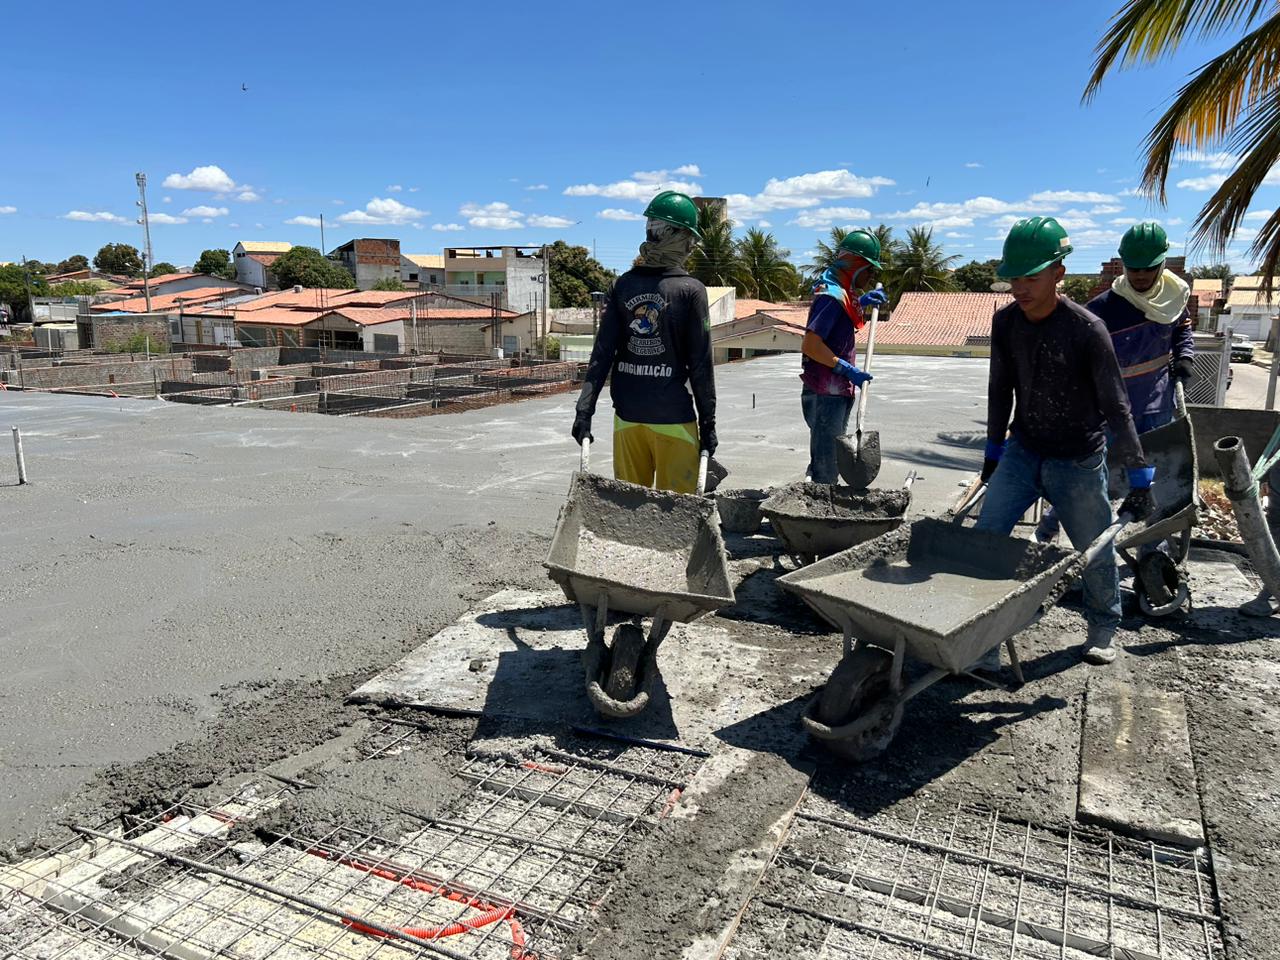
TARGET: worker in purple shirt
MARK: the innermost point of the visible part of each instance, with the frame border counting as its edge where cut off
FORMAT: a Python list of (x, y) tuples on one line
[(1145, 311), (828, 370), (1055, 380)]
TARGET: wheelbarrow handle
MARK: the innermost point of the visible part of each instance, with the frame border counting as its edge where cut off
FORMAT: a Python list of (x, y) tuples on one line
[(584, 460), (1105, 538), (912, 477), (703, 460), (967, 507), (1180, 398)]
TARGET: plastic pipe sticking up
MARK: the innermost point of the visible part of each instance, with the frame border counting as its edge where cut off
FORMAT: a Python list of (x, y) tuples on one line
[(1241, 488), (22, 462)]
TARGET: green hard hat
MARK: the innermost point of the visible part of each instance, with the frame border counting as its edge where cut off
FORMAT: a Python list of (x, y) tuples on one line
[(864, 244), (1032, 245), (1144, 245), (675, 208)]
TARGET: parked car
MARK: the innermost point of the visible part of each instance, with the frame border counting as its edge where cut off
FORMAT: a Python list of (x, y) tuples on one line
[(1241, 348)]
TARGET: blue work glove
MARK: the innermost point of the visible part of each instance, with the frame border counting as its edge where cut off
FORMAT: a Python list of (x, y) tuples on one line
[(873, 298), (1140, 504), (990, 459), (850, 372)]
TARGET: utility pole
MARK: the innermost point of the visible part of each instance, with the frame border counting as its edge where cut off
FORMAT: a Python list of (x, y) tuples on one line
[(322, 234), (26, 281), (141, 179), (546, 299)]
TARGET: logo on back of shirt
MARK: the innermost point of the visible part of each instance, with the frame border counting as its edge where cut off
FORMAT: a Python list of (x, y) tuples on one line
[(646, 312)]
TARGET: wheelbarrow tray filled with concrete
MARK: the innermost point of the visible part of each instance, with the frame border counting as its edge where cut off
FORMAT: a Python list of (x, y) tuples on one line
[(935, 590), (633, 549), (1171, 449), (818, 519)]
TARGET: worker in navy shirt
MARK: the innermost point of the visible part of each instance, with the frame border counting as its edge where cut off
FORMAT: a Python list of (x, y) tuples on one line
[(828, 369)]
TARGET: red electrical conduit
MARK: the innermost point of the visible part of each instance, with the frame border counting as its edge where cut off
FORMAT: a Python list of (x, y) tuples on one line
[(492, 914)]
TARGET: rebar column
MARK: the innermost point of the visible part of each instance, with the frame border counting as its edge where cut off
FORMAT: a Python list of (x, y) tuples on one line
[(1242, 490)]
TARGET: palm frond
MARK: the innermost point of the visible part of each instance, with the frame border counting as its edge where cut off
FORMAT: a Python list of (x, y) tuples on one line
[(1147, 30), (1211, 104)]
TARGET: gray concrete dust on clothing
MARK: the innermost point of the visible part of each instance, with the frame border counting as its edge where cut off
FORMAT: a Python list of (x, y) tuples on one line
[(1136, 771), (519, 654)]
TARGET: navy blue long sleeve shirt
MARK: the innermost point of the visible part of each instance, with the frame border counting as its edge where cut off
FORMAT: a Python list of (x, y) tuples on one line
[(1145, 349)]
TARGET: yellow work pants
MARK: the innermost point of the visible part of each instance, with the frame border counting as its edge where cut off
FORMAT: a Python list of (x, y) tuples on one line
[(665, 451)]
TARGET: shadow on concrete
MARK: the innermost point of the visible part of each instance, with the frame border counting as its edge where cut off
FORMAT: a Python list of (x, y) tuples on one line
[(758, 599), (1237, 629)]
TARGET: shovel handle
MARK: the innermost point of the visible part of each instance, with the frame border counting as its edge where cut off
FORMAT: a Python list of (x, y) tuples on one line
[(971, 501), (866, 365), (1105, 538), (584, 458), (911, 478), (703, 459)]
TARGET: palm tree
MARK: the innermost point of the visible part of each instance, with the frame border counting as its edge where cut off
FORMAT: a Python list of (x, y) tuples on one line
[(715, 260), (765, 271), (919, 264), (1232, 103)]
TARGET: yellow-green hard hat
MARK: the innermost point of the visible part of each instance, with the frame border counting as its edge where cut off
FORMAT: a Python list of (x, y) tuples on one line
[(1031, 246)]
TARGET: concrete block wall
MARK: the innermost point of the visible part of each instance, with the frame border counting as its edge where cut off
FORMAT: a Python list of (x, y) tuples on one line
[(112, 332), (102, 374), (251, 358)]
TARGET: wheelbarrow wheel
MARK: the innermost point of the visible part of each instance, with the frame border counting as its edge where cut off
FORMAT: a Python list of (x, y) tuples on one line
[(1163, 588), (624, 662), (860, 685)]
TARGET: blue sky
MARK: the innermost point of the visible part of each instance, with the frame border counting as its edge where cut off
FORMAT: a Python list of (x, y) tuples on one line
[(521, 123)]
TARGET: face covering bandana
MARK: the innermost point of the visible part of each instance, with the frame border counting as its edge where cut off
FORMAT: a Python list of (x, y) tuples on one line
[(667, 245), (1163, 303)]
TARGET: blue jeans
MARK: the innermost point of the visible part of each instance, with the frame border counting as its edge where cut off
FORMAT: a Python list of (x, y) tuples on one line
[(1078, 491), (828, 418), (1048, 525)]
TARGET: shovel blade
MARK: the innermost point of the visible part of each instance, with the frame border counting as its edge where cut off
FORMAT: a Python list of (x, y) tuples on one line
[(858, 460)]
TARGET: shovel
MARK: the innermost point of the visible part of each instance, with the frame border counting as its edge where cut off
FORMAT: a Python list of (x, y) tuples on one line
[(858, 457)]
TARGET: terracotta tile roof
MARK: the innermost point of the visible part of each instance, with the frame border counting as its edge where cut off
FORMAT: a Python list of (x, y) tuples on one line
[(276, 317), (745, 308), (1206, 297), (158, 281), (1210, 284), (266, 259), (941, 319), (265, 246), (164, 302), (365, 316)]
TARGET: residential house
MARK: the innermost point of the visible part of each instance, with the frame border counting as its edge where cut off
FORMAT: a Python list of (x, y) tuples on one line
[(514, 273), (369, 260), (424, 270), (179, 283), (1249, 310), (253, 260), (1115, 267), (1207, 301), (721, 304)]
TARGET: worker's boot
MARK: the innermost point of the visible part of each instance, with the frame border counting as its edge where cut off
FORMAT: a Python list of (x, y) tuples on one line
[(1100, 647)]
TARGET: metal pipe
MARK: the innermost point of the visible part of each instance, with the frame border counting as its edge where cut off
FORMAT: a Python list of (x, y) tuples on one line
[(1242, 490), (22, 462)]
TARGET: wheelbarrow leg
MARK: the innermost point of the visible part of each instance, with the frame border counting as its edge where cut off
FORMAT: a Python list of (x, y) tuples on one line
[(1014, 663), (658, 630)]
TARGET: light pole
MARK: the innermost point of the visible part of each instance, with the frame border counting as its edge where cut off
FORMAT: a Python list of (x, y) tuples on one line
[(141, 179)]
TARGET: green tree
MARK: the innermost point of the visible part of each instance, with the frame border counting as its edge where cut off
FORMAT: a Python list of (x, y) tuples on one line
[(161, 268), (1231, 104), (575, 275), (15, 285), (975, 276), (919, 265), (77, 288), (715, 260), (765, 271), (120, 259), (215, 262), (77, 261), (388, 283), (308, 267), (1078, 286)]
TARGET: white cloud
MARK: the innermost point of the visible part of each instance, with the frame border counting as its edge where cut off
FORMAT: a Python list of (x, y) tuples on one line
[(640, 187), (953, 235), (248, 196), (301, 221), (943, 223), (166, 218), (536, 186), (394, 188), (1076, 220), (212, 178), (1210, 181), (546, 222), (828, 216), (973, 207), (492, 216), (1251, 215), (100, 216), (414, 189), (617, 213), (207, 220), (687, 170), (973, 165), (338, 203), (1091, 239), (168, 199), (1105, 208), (205, 211), (1222, 160), (8, 210), (382, 210), (763, 224), (1125, 221), (234, 226), (1072, 196), (257, 226), (447, 227), (279, 200), (1173, 222)]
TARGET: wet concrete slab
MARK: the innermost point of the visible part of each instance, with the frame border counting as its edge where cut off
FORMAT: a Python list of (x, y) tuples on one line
[(1136, 771), (518, 654)]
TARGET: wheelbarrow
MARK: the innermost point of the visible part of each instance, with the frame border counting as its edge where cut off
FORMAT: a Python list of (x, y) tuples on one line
[(816, 519), (935, 591), (630, 549), (1160, 575)]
